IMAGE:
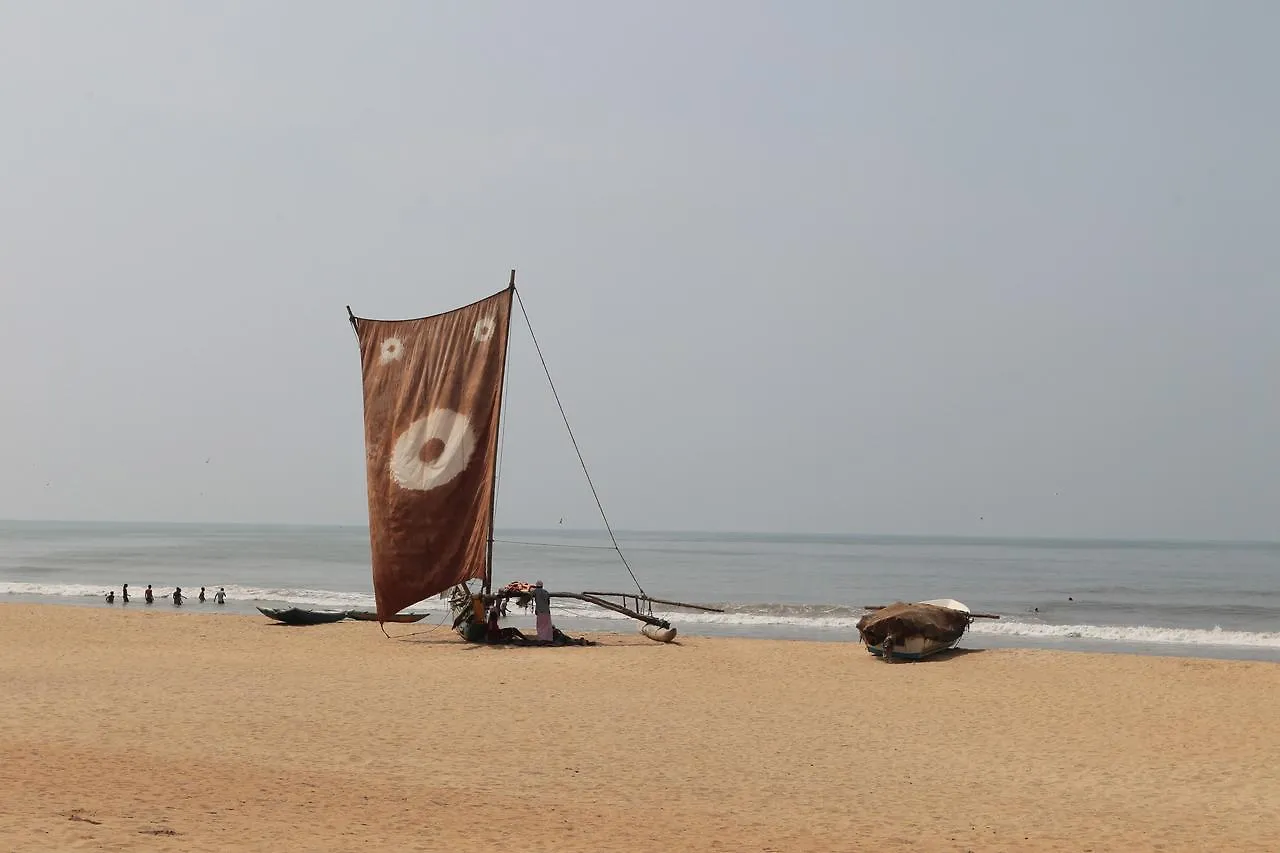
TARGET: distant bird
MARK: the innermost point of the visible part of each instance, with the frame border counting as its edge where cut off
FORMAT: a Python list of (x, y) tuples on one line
[(206, 459), (562, 521)]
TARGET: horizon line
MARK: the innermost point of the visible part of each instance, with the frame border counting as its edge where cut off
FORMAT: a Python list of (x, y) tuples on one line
[(966, 537)]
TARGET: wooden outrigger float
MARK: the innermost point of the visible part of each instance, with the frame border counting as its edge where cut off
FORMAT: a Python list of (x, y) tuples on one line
[(433, 394)]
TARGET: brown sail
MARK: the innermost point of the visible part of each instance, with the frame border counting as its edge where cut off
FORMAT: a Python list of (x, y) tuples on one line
[(432, 394)]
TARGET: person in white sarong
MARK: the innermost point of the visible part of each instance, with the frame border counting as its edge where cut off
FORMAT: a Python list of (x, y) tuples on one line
[(542, 610)]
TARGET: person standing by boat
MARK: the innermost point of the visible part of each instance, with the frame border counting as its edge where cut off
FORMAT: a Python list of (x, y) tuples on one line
[(148, 596), (542, 610)]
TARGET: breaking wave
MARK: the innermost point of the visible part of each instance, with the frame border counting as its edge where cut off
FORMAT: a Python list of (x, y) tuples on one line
[(234, 593), (808, 617), (1130, 634)]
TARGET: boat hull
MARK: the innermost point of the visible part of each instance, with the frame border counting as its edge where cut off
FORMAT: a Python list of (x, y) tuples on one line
[(370, 616), (298, 616), (914, 648)]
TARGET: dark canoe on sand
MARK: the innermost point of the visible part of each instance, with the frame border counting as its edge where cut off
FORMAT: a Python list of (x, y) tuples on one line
[(371, 616), (298, 616)]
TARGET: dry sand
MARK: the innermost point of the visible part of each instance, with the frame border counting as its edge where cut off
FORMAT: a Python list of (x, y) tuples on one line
[(146, 729)]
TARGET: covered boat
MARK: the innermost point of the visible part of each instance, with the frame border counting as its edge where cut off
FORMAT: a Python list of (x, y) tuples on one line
[(914, 630)]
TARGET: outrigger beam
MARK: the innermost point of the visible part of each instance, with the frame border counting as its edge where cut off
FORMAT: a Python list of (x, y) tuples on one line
[(594, 598), (665, 635), (598, 602), (609, 605), (625, 595)]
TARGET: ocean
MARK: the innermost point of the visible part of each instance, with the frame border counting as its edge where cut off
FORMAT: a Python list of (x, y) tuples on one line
[(1210, 599)]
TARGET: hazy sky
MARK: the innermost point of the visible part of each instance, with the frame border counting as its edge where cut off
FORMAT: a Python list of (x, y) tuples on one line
[(972, 268)]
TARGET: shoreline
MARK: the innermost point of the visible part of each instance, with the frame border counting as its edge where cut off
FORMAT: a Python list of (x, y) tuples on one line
[(525, 622), (197, 732)]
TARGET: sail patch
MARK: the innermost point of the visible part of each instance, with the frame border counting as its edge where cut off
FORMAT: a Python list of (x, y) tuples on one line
[(433, 450), (392, 349), (485, 327)]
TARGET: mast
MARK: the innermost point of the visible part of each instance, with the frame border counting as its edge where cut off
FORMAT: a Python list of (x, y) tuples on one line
[(497, 433)]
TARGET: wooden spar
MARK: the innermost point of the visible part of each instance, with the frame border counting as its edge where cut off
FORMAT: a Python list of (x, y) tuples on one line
[(594, 598), (626, 611), (625, 595), (971, 615), (609, 605)]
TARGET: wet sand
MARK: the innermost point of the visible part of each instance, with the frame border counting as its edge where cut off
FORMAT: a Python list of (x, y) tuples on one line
[(149, 729)]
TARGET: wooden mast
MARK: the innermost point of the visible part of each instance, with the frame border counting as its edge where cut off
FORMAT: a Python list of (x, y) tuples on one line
[(497, 432)]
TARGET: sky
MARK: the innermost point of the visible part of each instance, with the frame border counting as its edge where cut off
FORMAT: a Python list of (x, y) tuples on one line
[(960, 268)]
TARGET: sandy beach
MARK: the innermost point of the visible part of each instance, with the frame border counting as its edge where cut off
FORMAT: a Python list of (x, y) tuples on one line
[(148, 729)]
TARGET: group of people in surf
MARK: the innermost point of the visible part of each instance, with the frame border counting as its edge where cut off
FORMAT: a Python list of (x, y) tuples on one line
[(149, 596)]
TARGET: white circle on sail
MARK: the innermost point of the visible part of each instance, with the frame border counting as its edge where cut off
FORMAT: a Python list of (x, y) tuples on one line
[(392, 349), (432, 450), (485, 327)]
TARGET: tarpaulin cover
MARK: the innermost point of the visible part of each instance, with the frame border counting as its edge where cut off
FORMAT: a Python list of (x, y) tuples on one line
[(901, 620)]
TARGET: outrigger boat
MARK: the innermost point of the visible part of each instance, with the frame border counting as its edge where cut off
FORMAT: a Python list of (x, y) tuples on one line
[(372, 616), (914, 631), (302, 616), (433, 394)]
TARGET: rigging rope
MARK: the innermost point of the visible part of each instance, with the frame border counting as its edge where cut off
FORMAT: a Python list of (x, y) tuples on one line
[(554, 545), (576, 449)]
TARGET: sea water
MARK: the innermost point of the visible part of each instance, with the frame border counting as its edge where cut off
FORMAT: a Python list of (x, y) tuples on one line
[(1187, 598)]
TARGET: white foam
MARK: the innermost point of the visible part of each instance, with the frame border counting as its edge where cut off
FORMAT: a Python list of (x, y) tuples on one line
[(806, 617), (56, 589), (1130, 634), (297, 596), (1106, 633)]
